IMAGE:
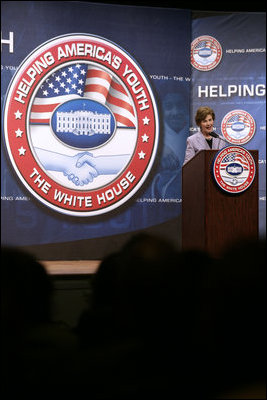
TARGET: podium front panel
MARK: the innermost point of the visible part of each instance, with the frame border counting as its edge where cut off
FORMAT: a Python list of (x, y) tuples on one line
[(213, 219)]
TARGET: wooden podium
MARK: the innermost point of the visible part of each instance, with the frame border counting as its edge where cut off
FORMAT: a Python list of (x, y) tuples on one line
[(213, 219)]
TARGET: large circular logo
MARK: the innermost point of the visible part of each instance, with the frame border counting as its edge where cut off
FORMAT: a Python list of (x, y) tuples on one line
[(234, 169), (81, 125), (206, 53), (238, 127)]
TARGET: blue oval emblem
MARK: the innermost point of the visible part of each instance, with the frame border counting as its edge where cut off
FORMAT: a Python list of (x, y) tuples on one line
[(205, 52), (83, 123), (234, 169), (238, 126)]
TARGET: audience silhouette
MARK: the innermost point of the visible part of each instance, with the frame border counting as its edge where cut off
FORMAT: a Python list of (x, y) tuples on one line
[(239, 320), (35, 351), (161, 322)]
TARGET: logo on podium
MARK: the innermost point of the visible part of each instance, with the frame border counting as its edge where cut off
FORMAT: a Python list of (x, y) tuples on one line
[(234, 169)]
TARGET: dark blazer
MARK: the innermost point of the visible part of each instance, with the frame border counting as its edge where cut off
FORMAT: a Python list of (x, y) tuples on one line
[(197, 142)]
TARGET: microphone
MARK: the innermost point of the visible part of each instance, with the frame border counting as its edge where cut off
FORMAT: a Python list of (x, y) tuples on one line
[(215, 135)]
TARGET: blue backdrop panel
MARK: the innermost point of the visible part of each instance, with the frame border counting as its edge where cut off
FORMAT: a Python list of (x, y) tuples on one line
[(159, 41), (237, 82)]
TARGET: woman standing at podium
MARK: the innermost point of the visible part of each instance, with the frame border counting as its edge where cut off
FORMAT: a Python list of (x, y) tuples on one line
[(205, 139)]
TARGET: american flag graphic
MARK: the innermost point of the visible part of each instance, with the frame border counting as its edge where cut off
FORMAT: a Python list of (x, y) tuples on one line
[(238, 118), (205, 44), (234, 157), (82, 81)]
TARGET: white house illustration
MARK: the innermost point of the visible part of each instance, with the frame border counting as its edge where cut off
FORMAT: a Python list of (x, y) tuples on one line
[(82, 122)]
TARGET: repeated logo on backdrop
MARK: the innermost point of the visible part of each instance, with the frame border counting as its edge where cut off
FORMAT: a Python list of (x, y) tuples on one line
[(238, 127), (81, 125), (206, 53)]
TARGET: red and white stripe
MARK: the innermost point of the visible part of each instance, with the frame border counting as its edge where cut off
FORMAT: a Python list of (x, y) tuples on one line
[(100, 86), (42, 108)]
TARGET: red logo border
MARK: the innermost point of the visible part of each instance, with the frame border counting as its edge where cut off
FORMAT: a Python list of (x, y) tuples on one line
[(16, 117)]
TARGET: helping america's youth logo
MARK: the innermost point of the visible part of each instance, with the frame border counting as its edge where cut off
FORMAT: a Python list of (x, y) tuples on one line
[(206, 53), (81, 125), (234, 169), (238, 127)]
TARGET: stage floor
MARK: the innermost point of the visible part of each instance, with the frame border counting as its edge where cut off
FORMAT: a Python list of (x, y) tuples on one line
[(72, 267)]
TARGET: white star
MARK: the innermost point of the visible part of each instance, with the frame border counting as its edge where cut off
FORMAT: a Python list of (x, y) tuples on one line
[(62, 84), (18, 114), (141, 155), (45, 92), (18, 133), (51, 85), (22, 151), (56, 90), (70, 69), (67, 90), (78, 65), (75, 76), (64, 73), (58, 78), (83, 71), (79, 91), (146, 121), (80, 81), (69, 80), (145, 138)]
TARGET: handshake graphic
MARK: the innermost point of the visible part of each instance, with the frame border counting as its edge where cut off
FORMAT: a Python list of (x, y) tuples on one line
[(83, 167)]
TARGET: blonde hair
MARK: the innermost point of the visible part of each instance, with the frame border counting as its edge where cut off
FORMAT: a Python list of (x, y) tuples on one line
[(202, 113)]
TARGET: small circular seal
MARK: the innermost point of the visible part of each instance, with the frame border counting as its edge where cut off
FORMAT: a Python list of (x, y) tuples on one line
[(81, 125), (206, 53), (238, 127), (234, 169)]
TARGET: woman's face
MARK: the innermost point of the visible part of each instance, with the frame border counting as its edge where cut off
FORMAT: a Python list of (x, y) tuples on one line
[(206, 126)]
